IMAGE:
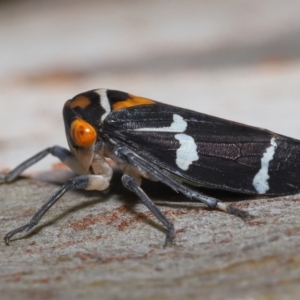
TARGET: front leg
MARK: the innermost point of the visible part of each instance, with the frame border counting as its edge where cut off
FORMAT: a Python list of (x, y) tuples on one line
[(131, 184), (85, 182), (61, 153)]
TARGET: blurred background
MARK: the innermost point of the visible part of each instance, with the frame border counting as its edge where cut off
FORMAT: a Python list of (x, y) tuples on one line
[(238, 60)]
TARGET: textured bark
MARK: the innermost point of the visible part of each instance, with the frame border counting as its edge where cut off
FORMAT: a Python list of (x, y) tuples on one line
[(107, 246)]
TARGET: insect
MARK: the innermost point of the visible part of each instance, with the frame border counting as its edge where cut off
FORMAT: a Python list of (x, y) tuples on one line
[(181, 148)]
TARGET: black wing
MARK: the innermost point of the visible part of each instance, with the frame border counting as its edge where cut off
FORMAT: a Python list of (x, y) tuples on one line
[(223, 154)]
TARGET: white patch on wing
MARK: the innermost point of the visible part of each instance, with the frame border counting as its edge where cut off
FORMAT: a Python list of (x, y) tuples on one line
[(260, 180), (178, 125), (187, 152), (104, 102)]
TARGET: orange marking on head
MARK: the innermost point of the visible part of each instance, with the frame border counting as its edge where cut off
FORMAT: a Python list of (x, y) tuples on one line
[(80, 101), (132, 101), (83, 133)]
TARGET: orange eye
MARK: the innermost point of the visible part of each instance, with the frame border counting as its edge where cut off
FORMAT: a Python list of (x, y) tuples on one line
[(83, 133)]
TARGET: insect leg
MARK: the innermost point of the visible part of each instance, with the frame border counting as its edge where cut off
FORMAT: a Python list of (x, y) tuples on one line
[(61, 153), (131, 184), (87, 182), (215, 203), (176, 185)]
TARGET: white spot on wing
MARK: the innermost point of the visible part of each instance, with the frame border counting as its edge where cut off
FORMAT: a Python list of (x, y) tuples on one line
[(178, 125), (187, 153), (260, 180), (104, 102)]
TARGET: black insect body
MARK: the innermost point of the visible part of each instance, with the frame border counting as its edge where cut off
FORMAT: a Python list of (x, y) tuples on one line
[(179, 147)]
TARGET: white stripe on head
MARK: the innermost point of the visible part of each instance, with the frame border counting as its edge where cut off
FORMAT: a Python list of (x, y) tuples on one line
[(260, 180), (178, 125), (187, 153), (104, 102)]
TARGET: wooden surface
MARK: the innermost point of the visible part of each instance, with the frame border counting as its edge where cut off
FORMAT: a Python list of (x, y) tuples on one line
[(106, 246)]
